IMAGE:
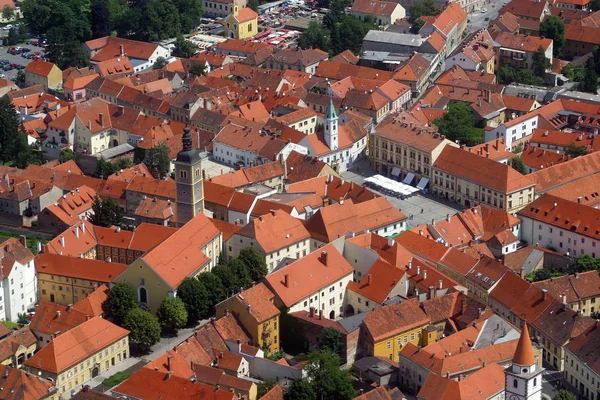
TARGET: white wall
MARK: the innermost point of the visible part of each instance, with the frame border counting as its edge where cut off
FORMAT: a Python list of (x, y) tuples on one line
[(329, 299), (513, 133), (20, 290), (563, 240)]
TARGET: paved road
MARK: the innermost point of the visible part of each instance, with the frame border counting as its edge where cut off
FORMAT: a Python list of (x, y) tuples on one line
[(432, 208), (477, 20)]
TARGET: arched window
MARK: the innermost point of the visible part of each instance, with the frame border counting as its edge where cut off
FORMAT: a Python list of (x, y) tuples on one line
[(143, 295), (183, 174), (250, 27)]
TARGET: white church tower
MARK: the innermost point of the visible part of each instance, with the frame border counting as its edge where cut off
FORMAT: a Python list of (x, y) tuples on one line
[(523, 377), (331, 127)]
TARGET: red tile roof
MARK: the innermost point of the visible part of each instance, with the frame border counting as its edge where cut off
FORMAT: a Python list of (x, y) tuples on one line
[(20, 385), (379, 282), (38, 67), (76, 345), (374, 7), (78, 268), (308, 275), (275, 230), (392, 319)]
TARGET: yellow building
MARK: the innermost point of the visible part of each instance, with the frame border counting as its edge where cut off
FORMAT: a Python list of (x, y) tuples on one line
[(388, 329), (17, 348), (193, 249), (255, 310), (241, 24), (80, 354), (43, 73), (66, 280)]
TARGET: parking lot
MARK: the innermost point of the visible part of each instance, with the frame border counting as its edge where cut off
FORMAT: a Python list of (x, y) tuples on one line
[(420, 208), (16, 58)]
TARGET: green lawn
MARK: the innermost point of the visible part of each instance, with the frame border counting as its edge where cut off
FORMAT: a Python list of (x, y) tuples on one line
[(116, 379), (31, 241)]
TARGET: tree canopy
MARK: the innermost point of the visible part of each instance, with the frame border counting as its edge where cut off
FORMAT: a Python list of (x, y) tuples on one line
[(183, 48), (256, 263), (331, 340), (517, 163), (575, 151), (420, 9), (553, 28), (14, 146), (589, 83), (585, 263), (328, 379), (540, 62), (172, 314), (195, 297), (542, 274), (458, 124), (144, 327), (106, 213), (564, 395), (214, 287), (159, 159), (508, 74), (120, 301), (300, 389)]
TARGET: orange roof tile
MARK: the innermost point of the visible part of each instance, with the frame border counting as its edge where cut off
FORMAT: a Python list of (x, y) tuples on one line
[(76, 345), (379, 282), (308, 274), (38, 67), (392, 319), (275, 230), (524, 352), (78, 268), (21, 385)]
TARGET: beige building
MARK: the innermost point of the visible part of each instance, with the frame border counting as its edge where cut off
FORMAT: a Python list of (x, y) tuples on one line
[(277, 235), (193, 249), (383, 13), (80, 354), (398, 149), (43, 73), (582, 369), (580, 291), (471, 180)]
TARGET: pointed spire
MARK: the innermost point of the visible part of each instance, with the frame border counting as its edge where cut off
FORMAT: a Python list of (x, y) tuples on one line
[(187, 139), (524, 353), (331, 114)]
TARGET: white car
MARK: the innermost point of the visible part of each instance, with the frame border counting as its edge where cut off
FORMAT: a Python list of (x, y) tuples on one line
[(9, 26), (483, 10)]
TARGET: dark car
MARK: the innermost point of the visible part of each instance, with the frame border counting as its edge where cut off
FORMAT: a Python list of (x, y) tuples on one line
[(25, 49), (20, 67)]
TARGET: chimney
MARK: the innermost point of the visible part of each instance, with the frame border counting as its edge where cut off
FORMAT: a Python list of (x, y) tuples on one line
[(579, 199), (320, 314), (58, 314), (563, 298), (431, 292), (424, 274), (122, 48), (312, 312), (522, 273), (324, 258), (369, 279), (576, 275), (221, 355), (76, 231), (23, 240), (544, 294), (89, 124), (418, 269), (101, 119), (39, 247), (62, 241), (440, 284), (286, 280), (169, 362), (82, 227), (448, 217)]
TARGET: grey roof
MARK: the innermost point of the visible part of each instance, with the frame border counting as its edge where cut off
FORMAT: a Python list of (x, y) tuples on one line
[(495, 330), (385, 56), (350, 324), (532, 260), (115, 151), (376, 365), (407, 39), (574, 95)]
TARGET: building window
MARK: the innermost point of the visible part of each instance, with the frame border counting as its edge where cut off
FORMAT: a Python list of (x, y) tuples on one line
[(183, 174), (143, 295)]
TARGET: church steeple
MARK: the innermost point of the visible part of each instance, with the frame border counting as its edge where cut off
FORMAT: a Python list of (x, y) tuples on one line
[(523, 378), (188, 180), (331, 126)]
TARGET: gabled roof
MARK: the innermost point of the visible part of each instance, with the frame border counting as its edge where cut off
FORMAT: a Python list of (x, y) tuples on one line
[(308, 275), (378, 283), (392, 319), (39, 67), (275, 230), (585, 348), (246, 14), (78, 268), (76, 345), (180, 255), (561, 324), (110, 47), (375, 7), (20, 385)]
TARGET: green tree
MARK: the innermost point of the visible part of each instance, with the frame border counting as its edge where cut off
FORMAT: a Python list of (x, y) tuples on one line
[(13, 37), (8, 13), (264, 387), (564, 395), (120, 301), (22, 32), (66, 155), (172, 314), (159, 63), (553, 28), (348, 34), (159, 159), (542, 275), (517, 163), (198, 69), (227, 278), (590, 77), (22, 318), (331, 340), (300, 389), (240, 270), (418, 10), (100, 18), (458, 124), (316, 36), (540, 63), (329, 381), (106, 213), (572, 73), (253, 5), (190, 13), (214, 287), (21, 76), (14, 146), (183, 48), (256, 263), (575, 151), (151, 21), (144, 328), (24, 153), (104, 169), (585, 263), (195, 297)]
